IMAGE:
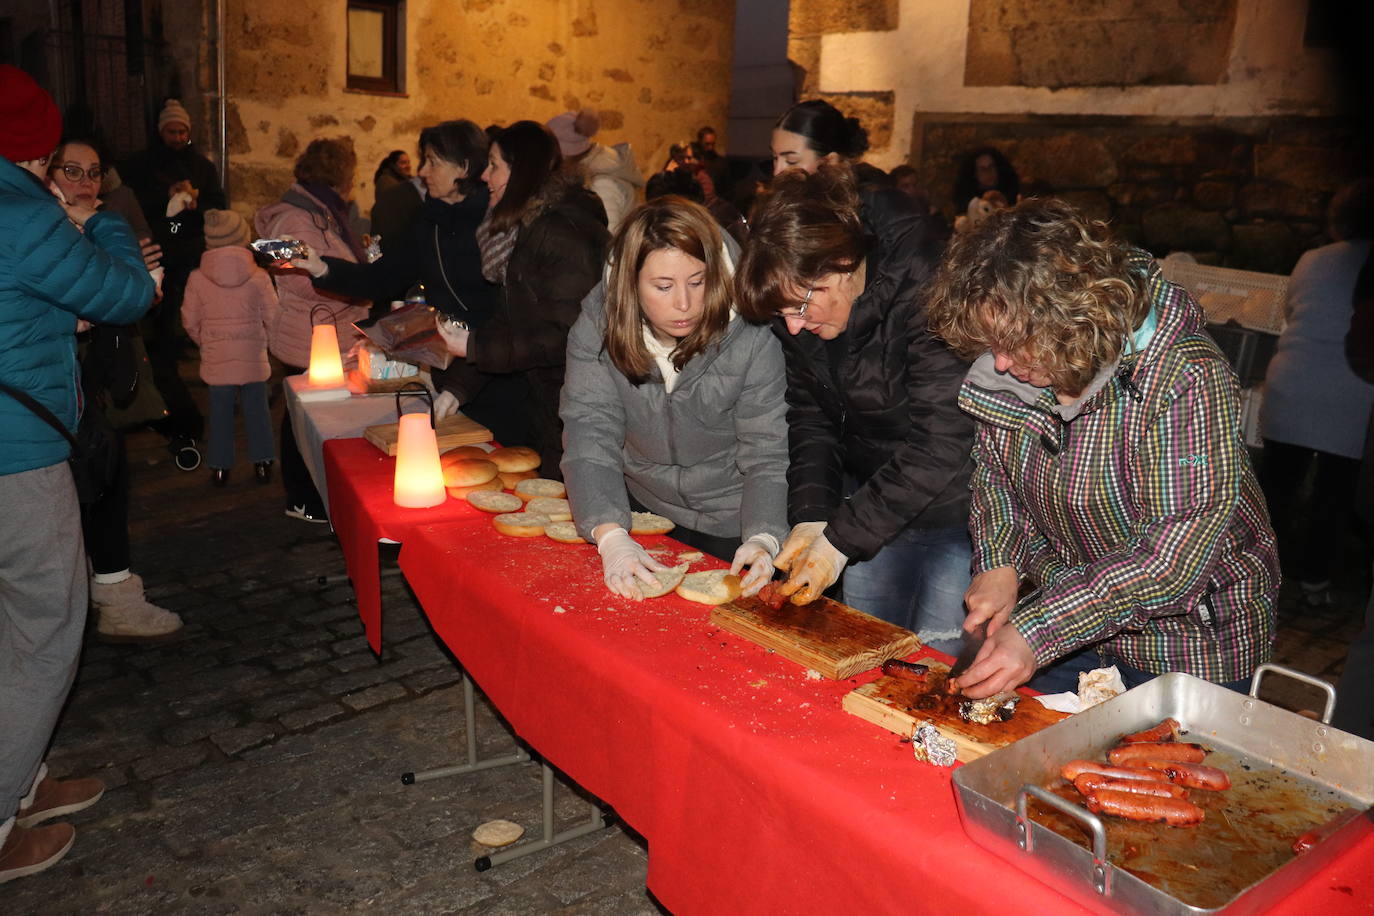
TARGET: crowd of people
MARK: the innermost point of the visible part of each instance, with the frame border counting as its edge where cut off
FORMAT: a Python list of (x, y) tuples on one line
[(1020, 427)]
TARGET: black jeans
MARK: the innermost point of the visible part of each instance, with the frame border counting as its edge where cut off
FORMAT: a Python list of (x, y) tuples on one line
[(1312, 536), (105, 522)]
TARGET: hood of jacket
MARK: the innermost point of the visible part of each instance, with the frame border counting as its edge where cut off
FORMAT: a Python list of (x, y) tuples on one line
[(228, 267), (1173, 316), (614, 162), (896, 230), (298, 198)]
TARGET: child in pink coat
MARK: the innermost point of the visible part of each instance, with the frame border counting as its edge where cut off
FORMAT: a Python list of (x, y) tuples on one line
[(229, 307)]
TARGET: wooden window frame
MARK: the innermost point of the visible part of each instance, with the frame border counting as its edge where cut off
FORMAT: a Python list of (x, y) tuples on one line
[(392, 80)]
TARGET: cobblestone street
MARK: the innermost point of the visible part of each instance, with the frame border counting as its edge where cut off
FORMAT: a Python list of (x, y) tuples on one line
[(252, 766)]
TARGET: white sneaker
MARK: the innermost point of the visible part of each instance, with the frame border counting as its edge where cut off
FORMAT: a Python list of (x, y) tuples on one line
[(127, 616)]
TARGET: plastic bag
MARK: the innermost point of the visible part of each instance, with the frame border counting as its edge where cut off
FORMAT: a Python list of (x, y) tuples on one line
[(409, 334)]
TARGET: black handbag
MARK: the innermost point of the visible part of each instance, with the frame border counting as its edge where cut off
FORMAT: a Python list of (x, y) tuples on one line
[(96, 447)]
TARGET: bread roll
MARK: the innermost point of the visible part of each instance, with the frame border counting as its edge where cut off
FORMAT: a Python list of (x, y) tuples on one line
[(461, 452), (515, 458), (491, 486), (563, 532), (667, 581), (649, 523), (495, 501), (557, 510), (510, 478), (468, 472), (521, 524), (713, 586), (539, 486)]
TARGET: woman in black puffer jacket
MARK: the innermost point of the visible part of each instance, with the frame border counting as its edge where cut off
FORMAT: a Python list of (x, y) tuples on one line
[(879, 448)]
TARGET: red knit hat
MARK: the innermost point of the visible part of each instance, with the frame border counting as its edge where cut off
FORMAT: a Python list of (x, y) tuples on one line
[(30, 124)]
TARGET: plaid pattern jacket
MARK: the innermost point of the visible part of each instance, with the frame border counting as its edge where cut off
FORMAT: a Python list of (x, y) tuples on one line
[(1135, 510)]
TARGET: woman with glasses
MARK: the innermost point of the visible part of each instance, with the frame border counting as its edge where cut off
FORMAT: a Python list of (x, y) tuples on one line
[(673, 403), (879, 472)]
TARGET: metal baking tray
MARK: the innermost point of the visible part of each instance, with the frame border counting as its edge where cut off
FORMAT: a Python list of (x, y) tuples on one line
[(1289, 775)]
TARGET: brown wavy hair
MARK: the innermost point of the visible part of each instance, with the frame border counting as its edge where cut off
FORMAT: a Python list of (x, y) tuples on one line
[(665, 222), (804, 227), (1042, 279), (329, 161)]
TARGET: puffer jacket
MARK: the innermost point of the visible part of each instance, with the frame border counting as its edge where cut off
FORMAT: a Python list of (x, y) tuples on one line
[(300, 215), (51, 273), (612, 173), (1134, 509), (892, 423), (711, 455), (229, 306)]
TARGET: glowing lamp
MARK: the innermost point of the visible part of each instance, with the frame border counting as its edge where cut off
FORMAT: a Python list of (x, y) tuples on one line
[(419, 481), (326, 366)]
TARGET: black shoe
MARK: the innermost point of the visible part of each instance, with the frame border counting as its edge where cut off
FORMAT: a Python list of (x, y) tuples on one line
[(262, 470), (219, 476)]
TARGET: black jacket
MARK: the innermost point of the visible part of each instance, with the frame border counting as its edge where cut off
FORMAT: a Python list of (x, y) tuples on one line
[(440, 251), (894, 423), (151, 173)]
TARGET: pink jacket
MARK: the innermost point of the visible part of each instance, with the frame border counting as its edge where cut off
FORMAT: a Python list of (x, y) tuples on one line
[(229, 306), (289, 339)]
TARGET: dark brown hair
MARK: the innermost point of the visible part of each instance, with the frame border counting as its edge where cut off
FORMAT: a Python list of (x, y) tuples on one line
[(329, 161), (805, 227), (665, 222), (534, 159), (825, 129), (462, 143)]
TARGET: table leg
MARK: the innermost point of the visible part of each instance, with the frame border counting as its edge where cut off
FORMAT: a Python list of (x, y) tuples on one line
[(473, 764), (598, 820)]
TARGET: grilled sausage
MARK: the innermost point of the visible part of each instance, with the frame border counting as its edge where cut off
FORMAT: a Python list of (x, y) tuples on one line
[(1089, 782), (1126, 754), (1076, 768), (1164, 731), (905, 671), (1176, 812), (1192, 775)]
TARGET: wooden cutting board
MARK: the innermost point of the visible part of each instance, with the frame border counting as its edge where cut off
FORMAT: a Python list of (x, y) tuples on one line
[(826, 636), (451, 432), (898, 705)]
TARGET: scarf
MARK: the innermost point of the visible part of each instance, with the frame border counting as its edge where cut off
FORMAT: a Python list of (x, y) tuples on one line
[(496, 248), (338, 208)]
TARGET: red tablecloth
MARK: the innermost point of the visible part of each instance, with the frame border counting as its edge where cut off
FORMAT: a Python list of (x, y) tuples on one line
[(756, 792), (362, 511)]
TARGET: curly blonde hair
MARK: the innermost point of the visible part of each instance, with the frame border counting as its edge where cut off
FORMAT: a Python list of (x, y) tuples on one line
[(1042, 281)]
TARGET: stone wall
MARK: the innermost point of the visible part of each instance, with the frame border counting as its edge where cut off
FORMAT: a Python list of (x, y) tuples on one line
[(656, 69)]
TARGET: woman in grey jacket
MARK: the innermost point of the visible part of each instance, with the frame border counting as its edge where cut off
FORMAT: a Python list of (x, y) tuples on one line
[(673, 403)]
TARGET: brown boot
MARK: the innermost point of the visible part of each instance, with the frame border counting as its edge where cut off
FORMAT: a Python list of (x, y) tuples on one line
[(27, 851), (56, 797), (127, 616)]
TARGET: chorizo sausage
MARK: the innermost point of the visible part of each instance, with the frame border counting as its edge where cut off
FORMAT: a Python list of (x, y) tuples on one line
[(905, 671), (1164, 731), (1125, 754), (1176, 812), (1076, 768), (1089, 782), (1192, 775)]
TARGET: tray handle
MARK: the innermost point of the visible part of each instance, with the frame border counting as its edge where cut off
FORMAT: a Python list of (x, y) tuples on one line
[(1330, 691), (1102, 871)]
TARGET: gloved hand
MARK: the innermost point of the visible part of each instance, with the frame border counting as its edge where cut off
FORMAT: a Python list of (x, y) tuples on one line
[(445, 405), (756, 553), (454, 336), (624, 564), (813, 561), (312, 263)]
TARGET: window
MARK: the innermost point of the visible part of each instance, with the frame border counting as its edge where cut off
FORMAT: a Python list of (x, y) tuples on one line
[(376, 45)]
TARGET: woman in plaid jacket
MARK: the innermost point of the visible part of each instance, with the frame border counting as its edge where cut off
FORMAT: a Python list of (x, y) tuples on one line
[(1112, 487)]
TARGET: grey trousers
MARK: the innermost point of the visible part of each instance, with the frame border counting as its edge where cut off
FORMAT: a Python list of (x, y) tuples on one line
[(43, 596)]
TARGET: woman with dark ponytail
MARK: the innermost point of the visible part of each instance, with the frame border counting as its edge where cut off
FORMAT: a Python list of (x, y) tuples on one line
[(813, 132)]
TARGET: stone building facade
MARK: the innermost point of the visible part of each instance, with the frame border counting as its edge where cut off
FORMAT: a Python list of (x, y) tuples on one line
[(1220, 128)]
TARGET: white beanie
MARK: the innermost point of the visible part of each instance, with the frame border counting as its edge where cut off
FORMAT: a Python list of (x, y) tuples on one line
[(172, 111)]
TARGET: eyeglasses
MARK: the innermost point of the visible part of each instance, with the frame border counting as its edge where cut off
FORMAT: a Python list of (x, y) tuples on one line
[(74, 172), (799, 311)]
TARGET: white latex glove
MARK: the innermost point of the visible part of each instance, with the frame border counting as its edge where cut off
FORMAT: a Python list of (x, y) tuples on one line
[(813, 562), (445, 405), (624, 564), (455, 337), (756, 553)]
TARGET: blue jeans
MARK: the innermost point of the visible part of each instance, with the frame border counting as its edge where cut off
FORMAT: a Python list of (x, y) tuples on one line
[(1062, 676), (256, 417), (917, 581)]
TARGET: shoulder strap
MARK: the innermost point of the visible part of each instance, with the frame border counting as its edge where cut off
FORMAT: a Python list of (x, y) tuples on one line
[(43, 413)]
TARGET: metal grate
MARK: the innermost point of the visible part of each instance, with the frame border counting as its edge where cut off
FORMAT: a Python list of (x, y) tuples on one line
[(110, 75)]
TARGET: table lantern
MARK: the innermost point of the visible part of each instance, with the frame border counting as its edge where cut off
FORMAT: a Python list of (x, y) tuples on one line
[(419, 480), (326, 366)]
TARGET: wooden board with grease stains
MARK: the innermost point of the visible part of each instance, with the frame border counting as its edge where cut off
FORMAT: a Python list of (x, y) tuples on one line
[(898, 705), (826, 636)]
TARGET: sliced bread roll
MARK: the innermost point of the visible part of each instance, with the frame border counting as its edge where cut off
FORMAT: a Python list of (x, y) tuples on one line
[(649, 523), (510, 478), (468, 472), (491, 486), (461, 452), (667, 581), (520, 524), (539, 486), (557, 510), (712, 586), (563, 532), (515, 458), (495, 501)]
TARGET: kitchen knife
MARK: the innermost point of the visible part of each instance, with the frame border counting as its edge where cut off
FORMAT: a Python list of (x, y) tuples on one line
[(973, 641)]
